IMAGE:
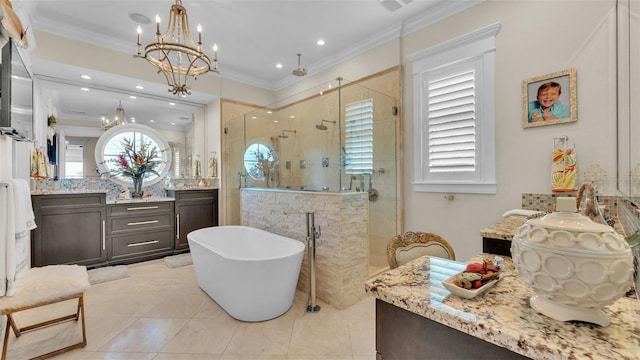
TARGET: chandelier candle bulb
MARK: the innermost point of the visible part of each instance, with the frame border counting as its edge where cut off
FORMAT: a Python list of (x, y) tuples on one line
[(158, 25), (199, 35)]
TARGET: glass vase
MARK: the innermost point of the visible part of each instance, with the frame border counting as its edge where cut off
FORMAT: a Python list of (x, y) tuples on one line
[(137, 187)]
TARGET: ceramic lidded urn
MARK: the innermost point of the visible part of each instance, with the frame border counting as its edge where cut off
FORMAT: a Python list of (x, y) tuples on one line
[(575, 266)]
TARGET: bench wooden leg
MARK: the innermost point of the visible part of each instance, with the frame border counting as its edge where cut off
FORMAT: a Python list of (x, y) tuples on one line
[(79, 315)]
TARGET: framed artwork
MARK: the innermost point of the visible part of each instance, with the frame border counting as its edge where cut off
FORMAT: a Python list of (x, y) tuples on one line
[(550, 99)]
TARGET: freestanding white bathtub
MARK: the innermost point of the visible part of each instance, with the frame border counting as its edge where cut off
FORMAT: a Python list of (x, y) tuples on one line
[(250, 273)]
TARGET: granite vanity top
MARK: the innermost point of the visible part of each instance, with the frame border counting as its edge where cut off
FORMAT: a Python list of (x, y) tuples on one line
[(503, 316), (143, 200), (67, 192), (505, 228)]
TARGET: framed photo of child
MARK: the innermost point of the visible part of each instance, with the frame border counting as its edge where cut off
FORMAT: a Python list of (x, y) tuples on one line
[(550, 99)]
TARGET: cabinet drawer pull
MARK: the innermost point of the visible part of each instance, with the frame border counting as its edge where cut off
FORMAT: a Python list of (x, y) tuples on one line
[(143, 222), (143, 243), (142, 208)]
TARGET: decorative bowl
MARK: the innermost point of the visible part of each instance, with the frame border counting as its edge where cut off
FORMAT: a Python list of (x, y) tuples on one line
[(466, 293), (574, 265)]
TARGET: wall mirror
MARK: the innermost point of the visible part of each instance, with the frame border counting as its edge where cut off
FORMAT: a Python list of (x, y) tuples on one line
[(628, 147), (110, 146), (81, 111)]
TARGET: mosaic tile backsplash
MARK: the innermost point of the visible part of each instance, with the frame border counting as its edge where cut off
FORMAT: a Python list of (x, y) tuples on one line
[(547, 202)]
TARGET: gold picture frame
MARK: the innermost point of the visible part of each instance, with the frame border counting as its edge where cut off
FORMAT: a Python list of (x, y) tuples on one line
[(550, 99)]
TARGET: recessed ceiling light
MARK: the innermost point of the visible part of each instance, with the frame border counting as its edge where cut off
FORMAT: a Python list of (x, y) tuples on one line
[(132, 97), (152, 121), (172, 103), (320, 42), (269, 112), (292, 116), (139, 87), (253, 117), (86, 77), (276, 121), (84, 89), (133, 120), (173, 123), (279, 65)]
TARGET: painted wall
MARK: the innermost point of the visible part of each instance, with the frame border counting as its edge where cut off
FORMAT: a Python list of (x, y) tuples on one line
[(537, 38)]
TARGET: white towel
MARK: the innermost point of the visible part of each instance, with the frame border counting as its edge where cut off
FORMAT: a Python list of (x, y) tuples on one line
[(18, 219)]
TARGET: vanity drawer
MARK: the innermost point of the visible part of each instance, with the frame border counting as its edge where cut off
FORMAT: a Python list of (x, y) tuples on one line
[(137, 223), (135, 209), (141, 244)]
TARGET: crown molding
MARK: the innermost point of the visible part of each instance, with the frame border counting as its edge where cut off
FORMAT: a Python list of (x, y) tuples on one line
[(438, 12)]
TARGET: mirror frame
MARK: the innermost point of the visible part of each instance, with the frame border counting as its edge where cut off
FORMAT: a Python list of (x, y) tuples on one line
[(166, 154)]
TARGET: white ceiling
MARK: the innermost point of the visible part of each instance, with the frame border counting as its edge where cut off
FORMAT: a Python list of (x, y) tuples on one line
[(252, 35)]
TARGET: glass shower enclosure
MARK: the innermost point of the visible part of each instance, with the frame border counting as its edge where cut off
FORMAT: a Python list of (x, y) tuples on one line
[(336, 137)]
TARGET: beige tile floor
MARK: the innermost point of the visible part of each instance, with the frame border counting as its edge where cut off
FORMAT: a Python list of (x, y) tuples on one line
[(161, 313)]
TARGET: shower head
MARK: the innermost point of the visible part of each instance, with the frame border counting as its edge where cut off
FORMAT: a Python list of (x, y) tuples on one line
[(299, 71), (322, 126), (283, 135)]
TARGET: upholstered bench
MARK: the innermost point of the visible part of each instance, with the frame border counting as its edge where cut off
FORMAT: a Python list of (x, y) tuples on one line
[(43, 286)]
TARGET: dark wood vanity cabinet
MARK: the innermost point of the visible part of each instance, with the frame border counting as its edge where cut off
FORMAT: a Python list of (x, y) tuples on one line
[(70, 229), (195, 209), (139, 231), (81, 228)]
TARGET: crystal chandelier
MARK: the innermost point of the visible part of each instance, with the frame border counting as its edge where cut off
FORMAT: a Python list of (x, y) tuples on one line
[(175, 54), (119, 119)]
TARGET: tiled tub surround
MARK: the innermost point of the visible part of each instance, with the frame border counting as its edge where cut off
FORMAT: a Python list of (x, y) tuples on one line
[(342, 249), (503, 316)]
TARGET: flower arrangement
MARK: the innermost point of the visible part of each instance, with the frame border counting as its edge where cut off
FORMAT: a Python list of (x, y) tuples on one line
[(135, 163)]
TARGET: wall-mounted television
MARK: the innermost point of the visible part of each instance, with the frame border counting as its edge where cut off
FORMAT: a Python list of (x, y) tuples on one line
[(16, 93)]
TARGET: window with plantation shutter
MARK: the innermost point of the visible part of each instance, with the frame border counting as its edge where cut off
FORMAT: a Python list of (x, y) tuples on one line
[(359, 137), (452, 122), (454, 115)]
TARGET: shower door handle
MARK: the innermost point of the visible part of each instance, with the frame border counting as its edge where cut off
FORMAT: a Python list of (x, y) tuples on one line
[(240, 176), (104, 245)]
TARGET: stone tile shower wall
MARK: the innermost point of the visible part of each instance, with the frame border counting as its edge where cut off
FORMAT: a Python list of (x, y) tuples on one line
[(342, 249)]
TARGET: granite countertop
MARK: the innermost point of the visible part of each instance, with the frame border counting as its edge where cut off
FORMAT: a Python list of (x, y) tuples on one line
[(66, 192), (503, 316), (505, 228), (143, 200)]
